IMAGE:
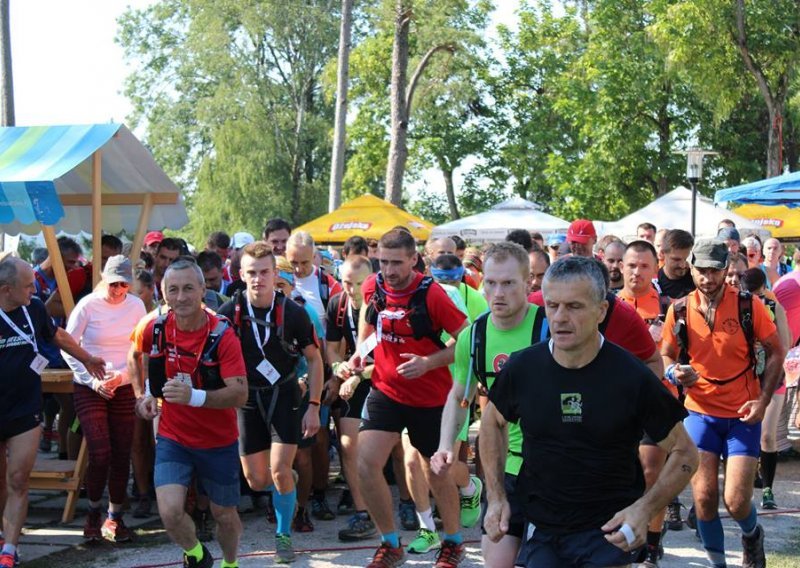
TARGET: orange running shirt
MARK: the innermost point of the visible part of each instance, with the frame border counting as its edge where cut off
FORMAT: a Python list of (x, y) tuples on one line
[(720, 354)]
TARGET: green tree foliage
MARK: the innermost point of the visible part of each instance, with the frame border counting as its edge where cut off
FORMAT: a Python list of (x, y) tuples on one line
[(229, 92)]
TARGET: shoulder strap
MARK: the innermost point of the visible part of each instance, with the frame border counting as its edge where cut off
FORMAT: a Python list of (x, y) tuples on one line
[(681, 329), (159, 335), (612, 301), (541, 329), (746, 321), (324, 286), (341, 310), (477, 352), (212, 341)]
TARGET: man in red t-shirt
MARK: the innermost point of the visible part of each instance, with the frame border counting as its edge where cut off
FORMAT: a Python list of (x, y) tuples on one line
[(410, 384), (197, 431)]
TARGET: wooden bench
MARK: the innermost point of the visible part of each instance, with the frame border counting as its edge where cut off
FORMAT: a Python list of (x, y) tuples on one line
[(60, 475)]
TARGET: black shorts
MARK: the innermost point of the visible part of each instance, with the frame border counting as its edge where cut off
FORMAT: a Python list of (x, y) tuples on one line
[(516, 525), (589, 549), (353, 408), (16, 426), (255, 434), (384, 414)]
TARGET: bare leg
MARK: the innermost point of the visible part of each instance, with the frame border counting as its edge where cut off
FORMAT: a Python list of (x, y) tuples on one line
[(178, 524), (21, 457), (374, 449), (348, 439), (229, 530)]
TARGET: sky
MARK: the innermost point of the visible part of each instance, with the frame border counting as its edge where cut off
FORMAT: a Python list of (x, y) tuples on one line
[(67, 68)]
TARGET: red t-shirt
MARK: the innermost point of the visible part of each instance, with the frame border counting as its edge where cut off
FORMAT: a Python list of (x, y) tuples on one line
[(430, 390), (625, 328), (197, 427)]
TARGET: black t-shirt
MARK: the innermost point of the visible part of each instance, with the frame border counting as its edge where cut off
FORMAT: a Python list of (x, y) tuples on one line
[(338, 325), (21, 386), (298, 333), (581, 430), (675, 289)]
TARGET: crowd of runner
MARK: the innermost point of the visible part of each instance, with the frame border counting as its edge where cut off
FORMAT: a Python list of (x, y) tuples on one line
[(606, 376)]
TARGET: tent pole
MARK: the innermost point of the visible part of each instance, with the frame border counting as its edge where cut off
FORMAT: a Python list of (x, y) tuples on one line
[(97, 216), (58, 267), (144, 219)]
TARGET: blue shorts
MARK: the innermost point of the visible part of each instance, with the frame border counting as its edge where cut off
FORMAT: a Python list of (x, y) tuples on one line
[(585, 549), (217, 469), (723, 436)]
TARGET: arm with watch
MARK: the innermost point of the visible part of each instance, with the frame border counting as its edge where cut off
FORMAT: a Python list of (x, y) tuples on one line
[(310, 423)]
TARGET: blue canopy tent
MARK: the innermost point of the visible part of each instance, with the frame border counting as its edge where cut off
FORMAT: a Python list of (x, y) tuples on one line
[(779, 190), (83, 177)]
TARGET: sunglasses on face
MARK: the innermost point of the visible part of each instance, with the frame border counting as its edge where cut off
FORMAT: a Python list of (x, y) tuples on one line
[(119, 285)]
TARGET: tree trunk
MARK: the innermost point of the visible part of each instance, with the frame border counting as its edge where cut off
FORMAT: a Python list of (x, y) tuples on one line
[(447, 173), (774, 140), (7, 95), (664, 143), (337, 158), (297, 166), (398, 146)]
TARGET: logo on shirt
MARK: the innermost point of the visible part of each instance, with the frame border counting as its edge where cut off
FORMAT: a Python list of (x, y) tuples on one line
[(571, 407), (731, 326), (499, 361)]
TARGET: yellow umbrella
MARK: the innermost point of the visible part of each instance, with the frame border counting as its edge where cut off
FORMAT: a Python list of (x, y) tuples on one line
[(781, 221), (367, 216)]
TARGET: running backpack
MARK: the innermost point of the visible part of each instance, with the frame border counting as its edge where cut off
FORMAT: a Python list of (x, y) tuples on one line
[(417, 308), (208, 366), (280, 330), (681, 331)]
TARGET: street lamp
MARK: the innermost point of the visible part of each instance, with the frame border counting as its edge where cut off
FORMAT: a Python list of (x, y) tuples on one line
[(694, 172)]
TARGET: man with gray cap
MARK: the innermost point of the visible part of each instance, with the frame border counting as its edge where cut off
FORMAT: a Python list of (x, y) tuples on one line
[(710, 354)]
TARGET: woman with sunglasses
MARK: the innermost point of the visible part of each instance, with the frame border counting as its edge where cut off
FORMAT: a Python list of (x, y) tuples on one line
[(103, 322)]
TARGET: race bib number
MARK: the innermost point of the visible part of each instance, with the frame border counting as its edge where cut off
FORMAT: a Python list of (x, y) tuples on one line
[(268, 371), (368, 346), (39, 364), (184, 378)]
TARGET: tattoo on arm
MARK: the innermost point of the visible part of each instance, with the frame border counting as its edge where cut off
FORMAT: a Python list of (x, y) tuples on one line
[(685, 468), (240, 380)]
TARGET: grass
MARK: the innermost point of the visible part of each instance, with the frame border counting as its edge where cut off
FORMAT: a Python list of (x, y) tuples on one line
[(789, 555)]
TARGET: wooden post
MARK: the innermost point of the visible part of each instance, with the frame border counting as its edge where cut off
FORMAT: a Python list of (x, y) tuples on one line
[(97, 216), (141, 228), (58, 267)]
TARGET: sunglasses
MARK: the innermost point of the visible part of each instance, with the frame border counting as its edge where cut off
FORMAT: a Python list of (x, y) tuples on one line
[(119, 285)]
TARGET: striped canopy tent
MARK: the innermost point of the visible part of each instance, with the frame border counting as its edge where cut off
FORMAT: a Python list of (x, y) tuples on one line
[(83, 177)]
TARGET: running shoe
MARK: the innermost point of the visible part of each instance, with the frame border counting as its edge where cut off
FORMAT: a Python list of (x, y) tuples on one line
[(424, 542), (203, 525), (753, 550), (388, 557), (450, 555), (270, 510), (768, 499), (143, 508), (651, 557), (673, 521), (408, 515), (691, 518), (320, 509), (207, 561), (284, 552), (116, 531), (359, 527), (346, 505), (92, 526), (7, 561), (471, 506), (302, 521)]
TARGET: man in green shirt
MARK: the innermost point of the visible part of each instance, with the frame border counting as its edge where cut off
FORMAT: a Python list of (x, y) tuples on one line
[(507, 328)]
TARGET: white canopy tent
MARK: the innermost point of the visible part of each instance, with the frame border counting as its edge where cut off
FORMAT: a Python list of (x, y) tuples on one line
[(674, 211), (497, 222)]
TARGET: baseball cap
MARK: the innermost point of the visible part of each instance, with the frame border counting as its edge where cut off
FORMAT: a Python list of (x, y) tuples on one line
[(240, 240), (581, 231), (118, 269), (729, 233), (710, 253), (153, 237), (556, 240)]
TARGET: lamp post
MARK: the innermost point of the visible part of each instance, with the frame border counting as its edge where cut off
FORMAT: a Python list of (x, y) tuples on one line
[(694, 172)]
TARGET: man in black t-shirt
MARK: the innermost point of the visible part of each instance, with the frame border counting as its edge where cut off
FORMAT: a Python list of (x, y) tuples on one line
[(24, 327), (674, 278), (341, 335), (275, 332), (582, 416)]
